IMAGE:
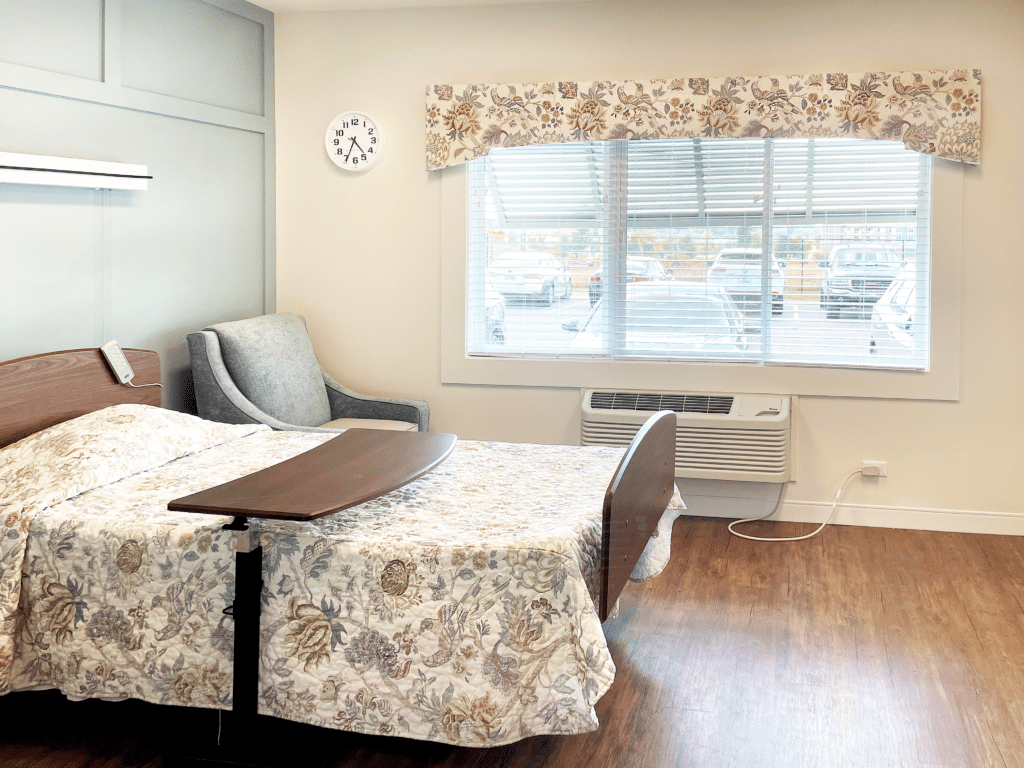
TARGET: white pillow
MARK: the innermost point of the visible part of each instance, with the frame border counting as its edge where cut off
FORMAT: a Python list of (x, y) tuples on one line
[(102, 447)]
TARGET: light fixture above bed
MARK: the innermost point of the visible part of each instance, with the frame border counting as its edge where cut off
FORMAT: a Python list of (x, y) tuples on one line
[(17, 168)]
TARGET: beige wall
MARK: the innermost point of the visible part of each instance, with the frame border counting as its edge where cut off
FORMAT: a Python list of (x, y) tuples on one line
[(359, 254)]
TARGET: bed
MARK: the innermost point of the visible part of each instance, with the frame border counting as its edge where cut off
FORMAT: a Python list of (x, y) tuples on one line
[(463, 608)]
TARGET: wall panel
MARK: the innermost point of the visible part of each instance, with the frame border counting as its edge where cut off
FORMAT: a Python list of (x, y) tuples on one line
[(195, 51), (201, 257), (64, 36), (51, 267)]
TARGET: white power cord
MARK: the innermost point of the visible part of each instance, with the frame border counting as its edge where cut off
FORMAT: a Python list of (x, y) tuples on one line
[(779, 501)]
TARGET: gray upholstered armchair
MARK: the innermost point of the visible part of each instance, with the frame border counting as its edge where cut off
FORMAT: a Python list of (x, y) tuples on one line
[(264, 371)]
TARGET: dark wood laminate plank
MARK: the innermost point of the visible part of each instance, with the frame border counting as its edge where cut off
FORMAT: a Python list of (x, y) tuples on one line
[(869, 648), (988, 640), (937, 645)]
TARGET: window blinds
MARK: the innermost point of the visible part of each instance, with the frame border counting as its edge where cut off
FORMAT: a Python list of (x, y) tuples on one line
[(762, 251)]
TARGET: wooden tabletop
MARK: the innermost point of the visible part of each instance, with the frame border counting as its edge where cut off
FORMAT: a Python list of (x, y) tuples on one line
[(356, 466)]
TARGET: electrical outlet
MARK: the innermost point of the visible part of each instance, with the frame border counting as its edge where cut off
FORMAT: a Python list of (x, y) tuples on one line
[(874, 468)]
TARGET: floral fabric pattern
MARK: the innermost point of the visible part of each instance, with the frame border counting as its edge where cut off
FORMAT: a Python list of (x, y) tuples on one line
[(936, 112), (459, 608), (70, 458), (100, 447)]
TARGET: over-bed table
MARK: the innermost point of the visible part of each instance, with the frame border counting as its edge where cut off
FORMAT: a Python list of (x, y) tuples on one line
[(463, 607)]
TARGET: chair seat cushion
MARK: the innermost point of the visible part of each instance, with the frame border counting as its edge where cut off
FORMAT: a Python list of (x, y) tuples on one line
[(398, 426)]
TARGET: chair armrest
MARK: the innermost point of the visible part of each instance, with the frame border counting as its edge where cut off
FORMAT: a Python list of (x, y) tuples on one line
[(348, 404), (217, 396)]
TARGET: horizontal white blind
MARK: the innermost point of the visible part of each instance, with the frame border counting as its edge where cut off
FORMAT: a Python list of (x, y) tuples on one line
[(691, 183), (829, 180), (747, 250)]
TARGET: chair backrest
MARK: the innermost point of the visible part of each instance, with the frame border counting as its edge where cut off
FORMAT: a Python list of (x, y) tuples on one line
[(271, 360)]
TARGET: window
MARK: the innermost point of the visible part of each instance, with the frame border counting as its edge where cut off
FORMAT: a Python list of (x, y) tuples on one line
[(762, 252)]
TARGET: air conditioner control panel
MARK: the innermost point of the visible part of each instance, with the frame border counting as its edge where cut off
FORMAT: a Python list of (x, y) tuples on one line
[(762, 405)]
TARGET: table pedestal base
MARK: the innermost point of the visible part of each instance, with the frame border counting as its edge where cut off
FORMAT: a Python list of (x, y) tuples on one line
[(246, 738)]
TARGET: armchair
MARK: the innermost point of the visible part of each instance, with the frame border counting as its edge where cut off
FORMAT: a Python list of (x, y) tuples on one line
[(264, 371)]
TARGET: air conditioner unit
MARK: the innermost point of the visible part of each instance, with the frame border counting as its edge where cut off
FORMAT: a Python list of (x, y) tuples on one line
[(718, 436)]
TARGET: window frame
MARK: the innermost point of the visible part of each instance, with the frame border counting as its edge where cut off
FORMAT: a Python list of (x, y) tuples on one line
[(940, 382)]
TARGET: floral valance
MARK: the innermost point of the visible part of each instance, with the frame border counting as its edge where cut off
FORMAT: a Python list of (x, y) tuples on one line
[(934, 112)]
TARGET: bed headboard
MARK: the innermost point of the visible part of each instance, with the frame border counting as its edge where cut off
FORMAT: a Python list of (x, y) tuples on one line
[(42, 390)]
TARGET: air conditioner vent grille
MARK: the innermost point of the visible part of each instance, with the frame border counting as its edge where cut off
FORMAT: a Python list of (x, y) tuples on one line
[(712, 450), (653, 402)]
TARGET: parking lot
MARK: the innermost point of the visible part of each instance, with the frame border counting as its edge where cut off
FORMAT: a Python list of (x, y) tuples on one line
[(801, 330)]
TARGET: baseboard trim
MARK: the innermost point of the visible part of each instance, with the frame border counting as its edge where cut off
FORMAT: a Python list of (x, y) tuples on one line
[(911, 518)]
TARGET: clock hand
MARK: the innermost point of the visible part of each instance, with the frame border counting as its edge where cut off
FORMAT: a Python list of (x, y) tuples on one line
[(356, 143), (350, 149)]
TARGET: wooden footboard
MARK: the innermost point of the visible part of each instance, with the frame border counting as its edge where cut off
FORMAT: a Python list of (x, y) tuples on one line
[(637, 496)]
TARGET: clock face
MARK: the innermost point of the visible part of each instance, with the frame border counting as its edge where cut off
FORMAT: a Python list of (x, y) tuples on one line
[(354, 141)]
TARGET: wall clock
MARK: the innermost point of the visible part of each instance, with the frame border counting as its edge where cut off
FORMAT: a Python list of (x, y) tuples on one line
[(354, 141)]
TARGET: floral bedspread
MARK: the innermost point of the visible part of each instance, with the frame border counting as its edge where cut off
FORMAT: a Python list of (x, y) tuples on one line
[(459, 608)]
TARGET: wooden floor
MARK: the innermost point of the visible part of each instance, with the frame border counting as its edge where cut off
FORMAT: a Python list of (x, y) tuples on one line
[(860, 647)]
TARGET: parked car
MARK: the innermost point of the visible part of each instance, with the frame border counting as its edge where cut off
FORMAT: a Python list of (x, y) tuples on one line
[(638, 270), (738, 272), (670, 318), (894, 319), (494, 314), (530, 274), (856, 276)]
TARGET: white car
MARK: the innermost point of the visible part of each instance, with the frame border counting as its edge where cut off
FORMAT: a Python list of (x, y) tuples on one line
[(530, 274), (894, 321), (673, 319), (738, 272), (639, 269)]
